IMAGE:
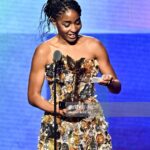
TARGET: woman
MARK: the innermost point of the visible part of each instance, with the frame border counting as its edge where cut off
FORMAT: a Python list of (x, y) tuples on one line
[(82, 58)]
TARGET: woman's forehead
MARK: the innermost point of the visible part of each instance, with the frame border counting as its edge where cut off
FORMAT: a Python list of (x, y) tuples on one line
[(69, 14)]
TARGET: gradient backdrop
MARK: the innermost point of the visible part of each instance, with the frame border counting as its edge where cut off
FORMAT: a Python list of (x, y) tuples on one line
[(122, 26)]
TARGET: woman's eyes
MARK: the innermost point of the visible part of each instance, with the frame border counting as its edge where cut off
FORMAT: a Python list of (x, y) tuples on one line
[(78, 22), (67, 24)]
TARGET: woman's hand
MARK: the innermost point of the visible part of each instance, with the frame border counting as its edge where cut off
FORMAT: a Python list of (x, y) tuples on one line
[(106, 79), (113, 84), (62, 112)]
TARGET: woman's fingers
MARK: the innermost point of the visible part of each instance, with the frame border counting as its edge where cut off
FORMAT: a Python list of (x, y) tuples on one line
[(61, 111), (106, 79)]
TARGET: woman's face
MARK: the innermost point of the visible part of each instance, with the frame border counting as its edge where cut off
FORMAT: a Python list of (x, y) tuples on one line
[(69, 25)]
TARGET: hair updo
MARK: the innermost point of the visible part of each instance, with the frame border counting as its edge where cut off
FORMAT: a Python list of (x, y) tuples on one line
[(54, 9)]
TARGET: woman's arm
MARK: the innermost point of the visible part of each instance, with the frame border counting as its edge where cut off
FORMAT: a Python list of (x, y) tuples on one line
[(109, 77), (36, 79)]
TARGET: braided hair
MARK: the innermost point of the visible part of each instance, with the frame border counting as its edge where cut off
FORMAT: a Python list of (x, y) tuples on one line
[(54, 9)]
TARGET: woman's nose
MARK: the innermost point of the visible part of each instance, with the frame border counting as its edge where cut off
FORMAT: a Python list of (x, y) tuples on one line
[(73, 28)]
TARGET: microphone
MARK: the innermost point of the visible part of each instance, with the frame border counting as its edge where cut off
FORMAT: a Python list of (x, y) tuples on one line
[(57, 56)]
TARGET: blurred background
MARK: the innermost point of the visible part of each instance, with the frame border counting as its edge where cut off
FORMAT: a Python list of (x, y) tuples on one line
[(124, 29)]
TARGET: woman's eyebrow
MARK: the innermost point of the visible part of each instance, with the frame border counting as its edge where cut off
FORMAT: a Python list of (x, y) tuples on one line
[(68, 21)]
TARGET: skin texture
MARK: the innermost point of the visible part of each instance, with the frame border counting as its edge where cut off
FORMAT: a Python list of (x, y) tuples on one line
[(69, 42)]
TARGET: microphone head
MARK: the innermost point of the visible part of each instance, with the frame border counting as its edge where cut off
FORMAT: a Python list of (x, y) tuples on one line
[(57, 56)]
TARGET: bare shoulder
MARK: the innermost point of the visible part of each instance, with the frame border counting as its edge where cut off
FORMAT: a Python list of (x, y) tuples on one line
[(93, 42), (94, 46), (42, 48), (43, 51)]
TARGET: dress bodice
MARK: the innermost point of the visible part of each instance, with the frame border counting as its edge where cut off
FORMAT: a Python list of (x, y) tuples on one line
[(73, 78)]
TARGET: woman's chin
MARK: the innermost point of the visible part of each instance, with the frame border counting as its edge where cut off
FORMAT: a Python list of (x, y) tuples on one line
[(72, 40)]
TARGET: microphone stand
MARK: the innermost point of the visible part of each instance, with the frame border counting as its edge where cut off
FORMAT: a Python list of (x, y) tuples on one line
[(56, 58), (55, 97)]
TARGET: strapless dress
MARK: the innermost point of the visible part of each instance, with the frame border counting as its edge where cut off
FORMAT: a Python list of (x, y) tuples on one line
[(84, 126)]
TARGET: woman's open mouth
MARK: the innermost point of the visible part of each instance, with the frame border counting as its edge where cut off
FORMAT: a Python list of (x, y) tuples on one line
[(72, 36)]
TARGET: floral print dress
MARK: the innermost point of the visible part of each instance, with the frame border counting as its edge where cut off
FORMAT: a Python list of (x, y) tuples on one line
[(84, 126)]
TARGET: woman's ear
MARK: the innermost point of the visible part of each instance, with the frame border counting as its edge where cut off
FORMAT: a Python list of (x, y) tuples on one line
[(53, 21)]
